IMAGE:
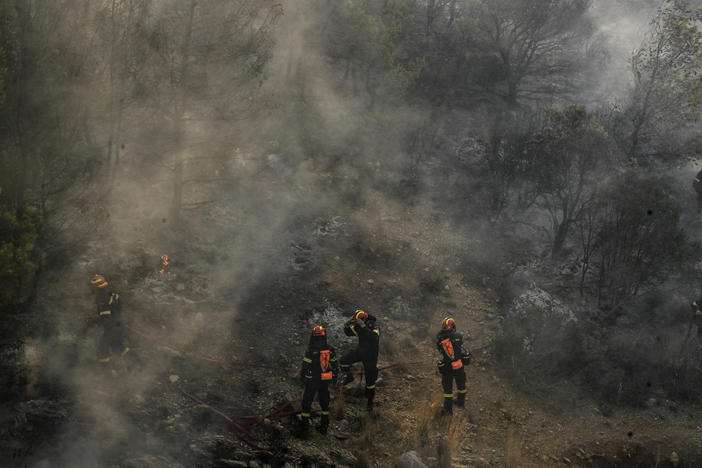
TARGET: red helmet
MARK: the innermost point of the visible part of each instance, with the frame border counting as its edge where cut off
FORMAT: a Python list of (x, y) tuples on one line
[(318, 330), (360, 315), (98, 281), (448, 324)]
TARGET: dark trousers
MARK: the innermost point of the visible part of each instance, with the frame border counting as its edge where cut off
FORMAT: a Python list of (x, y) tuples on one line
[(370, 368), (312, 388), (112, 341), (447, 378)]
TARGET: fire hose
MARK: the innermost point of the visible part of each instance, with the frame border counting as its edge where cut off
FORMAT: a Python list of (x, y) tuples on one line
[(242, 432)]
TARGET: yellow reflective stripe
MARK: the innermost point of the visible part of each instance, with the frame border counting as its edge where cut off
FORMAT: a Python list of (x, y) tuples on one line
[(370, 387), (353, 329), (307, 359), (107, 359), (305, 415), (448, 395), (106, 312), (110, 301), (333, 359), (345, 366), (696, 179), (126, 350), (465, 390), (325, 412), (377, 332)]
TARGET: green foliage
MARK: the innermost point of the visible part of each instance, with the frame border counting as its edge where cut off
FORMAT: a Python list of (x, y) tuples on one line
[(20, 256), (379, 41)]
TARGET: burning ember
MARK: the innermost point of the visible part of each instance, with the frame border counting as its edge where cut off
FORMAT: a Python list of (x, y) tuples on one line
[(164, 263)]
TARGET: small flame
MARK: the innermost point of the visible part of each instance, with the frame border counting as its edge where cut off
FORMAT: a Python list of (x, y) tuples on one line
[(164, 263)]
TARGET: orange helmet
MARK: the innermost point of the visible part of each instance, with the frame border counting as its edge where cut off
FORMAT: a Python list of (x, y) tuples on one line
[(318, 330), (360, 315), (448, 324), (98, 281)]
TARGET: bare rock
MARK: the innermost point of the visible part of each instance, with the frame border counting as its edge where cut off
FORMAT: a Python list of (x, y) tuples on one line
[(409, 460)]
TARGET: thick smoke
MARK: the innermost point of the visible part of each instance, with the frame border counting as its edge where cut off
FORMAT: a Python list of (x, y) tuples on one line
[(262, 190)]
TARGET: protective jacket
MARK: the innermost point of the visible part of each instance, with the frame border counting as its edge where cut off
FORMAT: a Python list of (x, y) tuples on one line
[(697, 317), (109, 316), (109, 308), (319, 368), (319, 363), (697, 183), (453, 353), (454, 357), (368, 335)]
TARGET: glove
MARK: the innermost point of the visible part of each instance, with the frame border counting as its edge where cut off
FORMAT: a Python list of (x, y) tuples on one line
[(305, 377), (466, 358), (441, 366)]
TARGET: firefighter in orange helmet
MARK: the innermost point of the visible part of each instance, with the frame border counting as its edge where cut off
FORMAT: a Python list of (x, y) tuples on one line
[(109, 316), (319, 369), (363, 326), (451, 366)]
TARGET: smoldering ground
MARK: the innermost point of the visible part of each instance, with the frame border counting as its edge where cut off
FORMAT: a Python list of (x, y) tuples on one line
[(266, 221), (305, 199)]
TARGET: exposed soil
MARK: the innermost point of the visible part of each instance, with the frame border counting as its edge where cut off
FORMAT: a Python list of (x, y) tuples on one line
[(408, 267)]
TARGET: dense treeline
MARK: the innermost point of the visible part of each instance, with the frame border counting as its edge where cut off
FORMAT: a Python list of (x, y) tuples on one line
[(519, 132)]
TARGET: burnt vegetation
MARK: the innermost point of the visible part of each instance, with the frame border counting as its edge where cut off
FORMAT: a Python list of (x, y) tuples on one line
[(297, 160)]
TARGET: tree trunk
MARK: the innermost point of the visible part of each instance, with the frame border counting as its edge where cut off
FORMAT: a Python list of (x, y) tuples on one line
[(431, 13), (178, 119)]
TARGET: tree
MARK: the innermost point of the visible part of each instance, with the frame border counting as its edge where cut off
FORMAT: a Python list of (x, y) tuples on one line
[(567, 158), (20, 258), (633, 239), (121, 24), (379, 44), (667, 92), (531, 48), (44, 127), (208, 74)]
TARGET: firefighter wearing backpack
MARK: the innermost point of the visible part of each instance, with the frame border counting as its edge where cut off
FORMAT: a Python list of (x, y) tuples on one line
[(363, 326), (319, 369), (109, 315), (451, 366)]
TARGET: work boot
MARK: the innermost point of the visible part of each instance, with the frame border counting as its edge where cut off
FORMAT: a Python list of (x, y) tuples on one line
[(461, 400), (324, 424), (448, 405), (304, 431)]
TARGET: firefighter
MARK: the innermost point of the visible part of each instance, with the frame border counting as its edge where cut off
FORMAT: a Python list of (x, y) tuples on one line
[(319, 368), (697, 185), (363, 326), (109, 315), (451, 366), (697, 317)]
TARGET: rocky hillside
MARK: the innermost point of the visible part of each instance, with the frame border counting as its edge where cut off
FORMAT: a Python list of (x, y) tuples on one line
[(218, 336)]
